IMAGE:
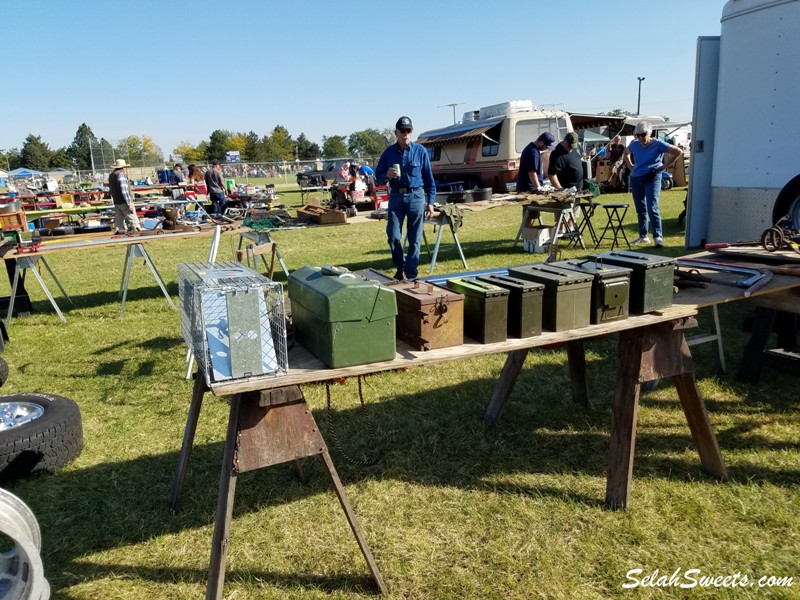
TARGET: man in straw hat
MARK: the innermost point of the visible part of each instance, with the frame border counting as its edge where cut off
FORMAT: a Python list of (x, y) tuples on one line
[(125, 219)]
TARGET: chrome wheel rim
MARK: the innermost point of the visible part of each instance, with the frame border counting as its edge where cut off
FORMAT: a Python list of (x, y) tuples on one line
[(17, 414)]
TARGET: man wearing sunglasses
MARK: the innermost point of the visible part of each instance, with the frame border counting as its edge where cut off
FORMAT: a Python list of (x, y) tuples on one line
[(648, 159), (412, 191)]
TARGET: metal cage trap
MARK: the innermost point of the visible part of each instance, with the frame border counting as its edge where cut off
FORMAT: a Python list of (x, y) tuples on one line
[(233, 319)]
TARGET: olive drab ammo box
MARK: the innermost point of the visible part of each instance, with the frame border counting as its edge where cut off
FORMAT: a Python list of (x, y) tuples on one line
[(610, 288), (567, 299), (341, 318), (651, 278), (485, 309), (429, 316), (524, 304)]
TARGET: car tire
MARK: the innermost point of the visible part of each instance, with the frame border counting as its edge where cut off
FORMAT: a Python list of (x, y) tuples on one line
[(49, 440), (666, 183)]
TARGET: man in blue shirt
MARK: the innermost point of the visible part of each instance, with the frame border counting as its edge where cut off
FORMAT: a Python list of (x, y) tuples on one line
[(531, 171), (411, 196)]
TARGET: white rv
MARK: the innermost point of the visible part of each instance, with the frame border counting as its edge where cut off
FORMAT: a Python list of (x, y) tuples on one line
[(744, 168), (484, 149)]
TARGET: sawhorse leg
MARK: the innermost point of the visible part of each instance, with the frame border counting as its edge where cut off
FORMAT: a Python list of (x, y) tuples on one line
[(198, 392), (513, 367), (644, 354), (264, 428), (446, 220), (262, 237), (138, 251), (29, 263)]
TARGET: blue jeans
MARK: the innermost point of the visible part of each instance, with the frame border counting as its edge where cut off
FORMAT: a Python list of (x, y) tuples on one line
[(217, 202), (410, 206), (646, 190)]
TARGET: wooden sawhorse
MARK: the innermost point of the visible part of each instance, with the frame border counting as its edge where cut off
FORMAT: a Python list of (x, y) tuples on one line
[(566, 226), (643, 354), (265, 428), (259, 238)]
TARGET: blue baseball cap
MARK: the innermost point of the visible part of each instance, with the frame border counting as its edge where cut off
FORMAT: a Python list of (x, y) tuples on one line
[(547, 139)]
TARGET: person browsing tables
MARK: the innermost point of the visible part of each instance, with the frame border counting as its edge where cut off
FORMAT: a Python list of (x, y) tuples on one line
[(125, 219), (531, 168), (412, 191), (647, 159), (216, 188), (566, 169)]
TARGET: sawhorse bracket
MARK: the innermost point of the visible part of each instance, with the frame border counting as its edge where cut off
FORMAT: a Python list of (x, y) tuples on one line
[(25, 263)]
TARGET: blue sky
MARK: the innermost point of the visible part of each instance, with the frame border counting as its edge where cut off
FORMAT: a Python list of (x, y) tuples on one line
[(176, 70)]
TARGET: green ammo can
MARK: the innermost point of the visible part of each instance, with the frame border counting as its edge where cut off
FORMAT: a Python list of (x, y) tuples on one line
[(610, 288), (524, 304), (485, 309), (567, 300), (343, 319), (651, 279)]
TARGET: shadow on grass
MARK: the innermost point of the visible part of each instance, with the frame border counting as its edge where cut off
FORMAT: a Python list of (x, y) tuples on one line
[(432, 438)]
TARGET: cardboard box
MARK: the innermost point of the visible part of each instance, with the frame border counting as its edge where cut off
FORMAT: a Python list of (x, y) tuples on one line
[(321, 216), (536, 238)]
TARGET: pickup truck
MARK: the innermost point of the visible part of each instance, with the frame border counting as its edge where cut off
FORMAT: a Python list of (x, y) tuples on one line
[(321, 177)]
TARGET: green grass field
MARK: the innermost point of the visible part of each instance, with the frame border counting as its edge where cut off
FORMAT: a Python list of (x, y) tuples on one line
[(452, 510)]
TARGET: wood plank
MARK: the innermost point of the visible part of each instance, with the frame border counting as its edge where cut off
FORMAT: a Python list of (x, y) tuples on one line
[(306, 368), (700, 426)]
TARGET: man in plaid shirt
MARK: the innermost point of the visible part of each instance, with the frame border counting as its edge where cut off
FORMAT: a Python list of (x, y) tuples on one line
[(125, 219)]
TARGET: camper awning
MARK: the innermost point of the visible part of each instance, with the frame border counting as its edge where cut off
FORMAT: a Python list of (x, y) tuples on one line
[(457, 133), (581, 121)]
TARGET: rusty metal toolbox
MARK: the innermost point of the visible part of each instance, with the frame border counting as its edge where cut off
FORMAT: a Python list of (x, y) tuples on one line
[(651, 279), (485, 309), (429, 316), (567, 299), (524, 304), (610, 288), (343, 319)]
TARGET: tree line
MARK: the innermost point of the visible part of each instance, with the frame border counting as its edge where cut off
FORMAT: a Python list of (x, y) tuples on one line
[(88, 153)]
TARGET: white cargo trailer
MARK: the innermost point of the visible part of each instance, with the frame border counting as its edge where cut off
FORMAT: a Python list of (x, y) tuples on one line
[(746, 124)]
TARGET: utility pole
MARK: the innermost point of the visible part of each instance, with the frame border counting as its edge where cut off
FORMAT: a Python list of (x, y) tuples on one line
[(639, 98), (453, 106)]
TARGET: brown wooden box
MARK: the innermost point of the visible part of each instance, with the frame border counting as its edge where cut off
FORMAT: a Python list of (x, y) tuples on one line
[(13, 221), (321, 216), (429, 316)]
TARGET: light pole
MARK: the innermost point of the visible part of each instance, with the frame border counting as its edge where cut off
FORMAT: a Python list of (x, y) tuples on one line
[(639, 98)]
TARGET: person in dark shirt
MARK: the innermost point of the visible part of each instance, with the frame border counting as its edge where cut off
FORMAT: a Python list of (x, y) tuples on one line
[(531, 174), (125, 219), (411, 196), (566, 169), (216, 188)]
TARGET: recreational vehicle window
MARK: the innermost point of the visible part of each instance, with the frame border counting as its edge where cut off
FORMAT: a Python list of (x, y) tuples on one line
[(491, 141), (435, 153), (528, 130)]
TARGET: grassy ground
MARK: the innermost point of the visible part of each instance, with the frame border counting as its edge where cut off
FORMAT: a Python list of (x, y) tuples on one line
[(452, 510)]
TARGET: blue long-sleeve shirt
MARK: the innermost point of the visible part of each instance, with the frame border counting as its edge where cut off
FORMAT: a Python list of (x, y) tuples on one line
[(415, 169)]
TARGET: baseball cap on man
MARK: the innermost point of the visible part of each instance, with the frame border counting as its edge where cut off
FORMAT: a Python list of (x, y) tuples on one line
[(403, 123), (547, 139), (571, 138)]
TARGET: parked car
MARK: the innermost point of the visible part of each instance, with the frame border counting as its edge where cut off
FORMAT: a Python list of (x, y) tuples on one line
[(321, 177)]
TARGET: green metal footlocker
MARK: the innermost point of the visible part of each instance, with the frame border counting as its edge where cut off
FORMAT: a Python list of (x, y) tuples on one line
[(343, 319)]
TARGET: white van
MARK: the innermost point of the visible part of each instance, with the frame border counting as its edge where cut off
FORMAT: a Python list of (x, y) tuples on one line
[(484, 149)]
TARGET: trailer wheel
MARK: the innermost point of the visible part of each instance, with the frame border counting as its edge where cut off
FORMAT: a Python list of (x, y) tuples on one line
[(38, 432), (666, 183), (788, 204)]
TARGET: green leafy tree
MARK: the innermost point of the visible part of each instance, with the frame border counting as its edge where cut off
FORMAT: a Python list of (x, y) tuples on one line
[(10, 159), (305, 148), (253, 151), (35, 153), (82, 148), (618, 112), (334, 146), (189, 153), (218, 144), (368, 143), (139, 151), (281, 144), (61, 158)]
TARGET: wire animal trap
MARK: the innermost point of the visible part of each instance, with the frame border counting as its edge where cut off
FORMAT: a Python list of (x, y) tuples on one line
[(233, 319)]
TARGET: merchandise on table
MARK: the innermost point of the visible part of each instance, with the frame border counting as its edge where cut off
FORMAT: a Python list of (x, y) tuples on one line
[(429, 316), (651, 279), (610, 288), (485, 309), (233, 319), (567, 299), (524, 304), (342, 318)]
